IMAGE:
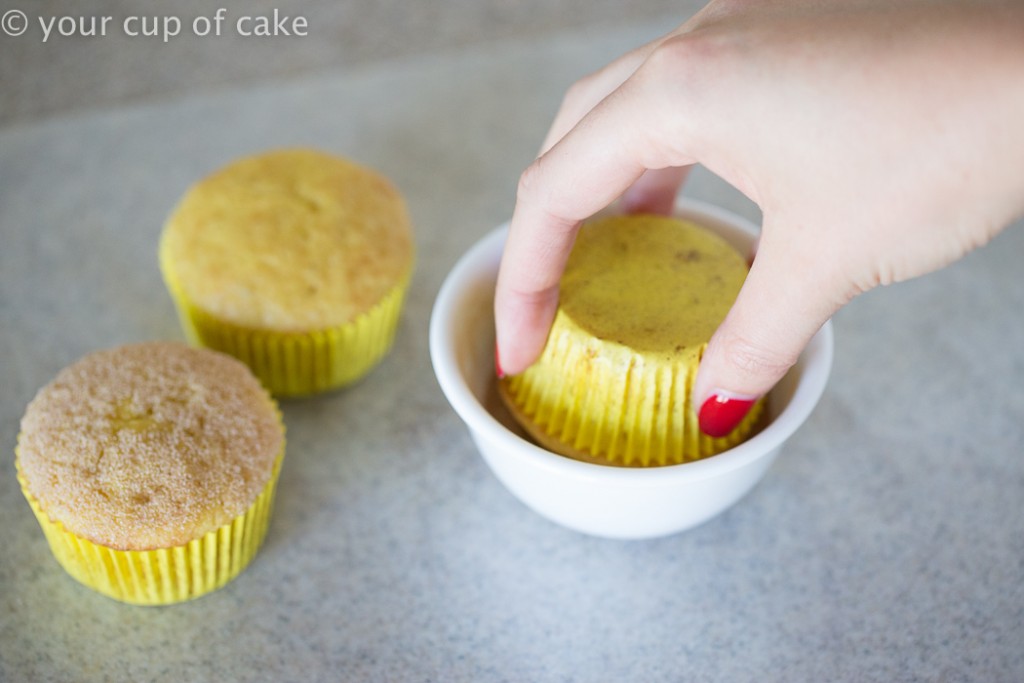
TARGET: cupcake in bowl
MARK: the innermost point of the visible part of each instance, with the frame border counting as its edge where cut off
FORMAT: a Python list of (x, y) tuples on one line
[(596, 495), (640, 297)]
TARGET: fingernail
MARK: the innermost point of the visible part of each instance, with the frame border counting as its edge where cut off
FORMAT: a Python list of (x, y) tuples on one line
[(497, 363), (721, 414)]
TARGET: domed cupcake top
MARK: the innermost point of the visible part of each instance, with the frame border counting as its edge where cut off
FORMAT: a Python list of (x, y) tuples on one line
[(149, 445), (291, 240)]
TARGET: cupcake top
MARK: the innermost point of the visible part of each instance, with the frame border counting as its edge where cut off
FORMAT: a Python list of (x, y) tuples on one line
[(650, 283), (149, 445), (290, 240)]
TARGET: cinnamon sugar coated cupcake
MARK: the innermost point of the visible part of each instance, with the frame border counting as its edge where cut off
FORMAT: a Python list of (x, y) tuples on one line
[(151, 468), (294, 261), (639, 299)]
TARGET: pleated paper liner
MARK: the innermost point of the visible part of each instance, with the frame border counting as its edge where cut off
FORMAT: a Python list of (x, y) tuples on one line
[(297, 364), (166, 575), (601, 402)]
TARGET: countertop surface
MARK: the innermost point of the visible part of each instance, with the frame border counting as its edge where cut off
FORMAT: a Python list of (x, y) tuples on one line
[(885, 544)]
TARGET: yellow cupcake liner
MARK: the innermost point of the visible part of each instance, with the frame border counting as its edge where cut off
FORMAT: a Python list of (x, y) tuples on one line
[(163, 576), (296, 363), (603, 402)]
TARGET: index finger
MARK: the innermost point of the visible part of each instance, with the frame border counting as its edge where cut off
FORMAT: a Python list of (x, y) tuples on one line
[(593, 164)]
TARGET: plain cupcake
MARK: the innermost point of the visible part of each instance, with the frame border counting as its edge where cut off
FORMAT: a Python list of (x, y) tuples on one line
[(151, 468), (639, 299), (295, 262)]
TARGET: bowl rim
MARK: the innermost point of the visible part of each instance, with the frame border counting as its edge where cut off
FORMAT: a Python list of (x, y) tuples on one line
[(482, 260)]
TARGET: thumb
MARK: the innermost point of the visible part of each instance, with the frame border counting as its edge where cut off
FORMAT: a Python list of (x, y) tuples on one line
[(782, 304)]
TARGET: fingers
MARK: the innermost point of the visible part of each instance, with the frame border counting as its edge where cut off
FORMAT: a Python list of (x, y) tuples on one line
[(603, 155), (586, 93), (655, 191), (526, 296), (786, 298), (554, 197)]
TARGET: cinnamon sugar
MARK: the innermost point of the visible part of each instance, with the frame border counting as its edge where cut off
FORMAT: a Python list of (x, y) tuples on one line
[(149, 445)]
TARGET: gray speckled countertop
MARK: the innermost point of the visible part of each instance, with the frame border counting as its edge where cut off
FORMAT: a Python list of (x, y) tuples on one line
[(886, 543)]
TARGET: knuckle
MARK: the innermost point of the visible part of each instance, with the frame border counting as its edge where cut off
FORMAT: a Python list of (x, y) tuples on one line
[(581, 90), (756, 359), (530, 183), (537, 191), (545, 294), (680, 55), (672, 56)]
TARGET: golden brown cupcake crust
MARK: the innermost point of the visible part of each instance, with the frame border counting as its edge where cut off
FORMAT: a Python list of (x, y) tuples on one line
[(651, 283), (149, 445), (291, 240)]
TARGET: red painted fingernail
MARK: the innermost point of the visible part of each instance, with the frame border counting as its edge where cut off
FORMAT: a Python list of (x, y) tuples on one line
[(720, 414), (497, 363)]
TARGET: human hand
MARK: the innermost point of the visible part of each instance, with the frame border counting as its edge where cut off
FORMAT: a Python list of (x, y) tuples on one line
[(881, 141)]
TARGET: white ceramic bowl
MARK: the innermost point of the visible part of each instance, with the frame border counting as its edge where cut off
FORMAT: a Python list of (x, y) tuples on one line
[(602, 500)]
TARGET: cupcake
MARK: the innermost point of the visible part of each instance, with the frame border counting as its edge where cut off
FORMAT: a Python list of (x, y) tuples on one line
[(294, 261), (151, 469), (639, 300)]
